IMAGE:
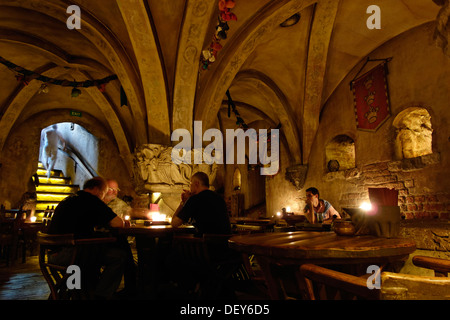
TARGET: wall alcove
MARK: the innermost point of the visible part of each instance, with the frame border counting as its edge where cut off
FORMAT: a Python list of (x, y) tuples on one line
[(340, 154)]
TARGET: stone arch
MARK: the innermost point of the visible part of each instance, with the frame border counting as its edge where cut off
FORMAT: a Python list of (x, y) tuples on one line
[(413, 133), (197, 17), (278, 105), (141, 33), (20, 154), (235, 54), (25, 93), (340, 153), (103, 39)]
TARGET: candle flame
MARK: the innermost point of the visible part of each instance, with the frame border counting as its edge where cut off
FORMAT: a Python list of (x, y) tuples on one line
[(366, 206)]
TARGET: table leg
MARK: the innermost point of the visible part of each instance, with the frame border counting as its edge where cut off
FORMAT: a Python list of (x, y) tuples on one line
[(273, 284)]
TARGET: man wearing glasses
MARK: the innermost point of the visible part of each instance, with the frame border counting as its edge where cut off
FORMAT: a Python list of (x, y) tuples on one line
[(120, 207)]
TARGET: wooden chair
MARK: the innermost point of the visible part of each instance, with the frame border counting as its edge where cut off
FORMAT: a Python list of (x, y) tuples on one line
[(56, 274), (47, 219), (413, 287), (10, 233), (319, 283), (395, 286), (441, 267), (209, 260)]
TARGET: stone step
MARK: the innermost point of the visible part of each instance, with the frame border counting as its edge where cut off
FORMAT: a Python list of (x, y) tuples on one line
[(51, 196), (60, 188), (53, 173), (54, 179)]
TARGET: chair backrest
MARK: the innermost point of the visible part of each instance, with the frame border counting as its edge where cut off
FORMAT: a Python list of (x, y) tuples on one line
[(318, 283), (55, 275), (50, 241), (440, 266), (10, 222), (191, 248), (47, 219), (206, 249), (248, 228), (395, 286)]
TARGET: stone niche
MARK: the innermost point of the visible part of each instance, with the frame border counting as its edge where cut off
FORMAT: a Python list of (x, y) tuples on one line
[(156, 172), (340, 153)]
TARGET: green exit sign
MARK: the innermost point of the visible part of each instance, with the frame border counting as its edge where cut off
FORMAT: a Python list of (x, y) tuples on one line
[(74, 113)]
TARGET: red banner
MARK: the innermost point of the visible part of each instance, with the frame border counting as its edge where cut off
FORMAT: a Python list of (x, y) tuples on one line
[(371, 98)]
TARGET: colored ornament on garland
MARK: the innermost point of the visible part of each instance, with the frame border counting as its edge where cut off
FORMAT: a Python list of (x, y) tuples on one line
[(209, 55)]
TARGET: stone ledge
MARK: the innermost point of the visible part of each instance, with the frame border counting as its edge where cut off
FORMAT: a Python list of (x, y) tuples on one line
[(386, 167), (412, 164), (428, 234)]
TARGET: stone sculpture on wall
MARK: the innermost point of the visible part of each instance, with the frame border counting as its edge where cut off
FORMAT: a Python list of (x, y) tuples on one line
[(158, 173), (442, 31)]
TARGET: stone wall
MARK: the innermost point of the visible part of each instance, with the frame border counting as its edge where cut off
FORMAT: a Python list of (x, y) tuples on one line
[(414, 202)]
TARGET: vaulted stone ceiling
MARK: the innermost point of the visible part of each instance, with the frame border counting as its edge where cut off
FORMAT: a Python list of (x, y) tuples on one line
[(275, 74)]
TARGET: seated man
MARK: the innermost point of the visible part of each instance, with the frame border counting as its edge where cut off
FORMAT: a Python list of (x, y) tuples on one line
[(206, 209), (79, 215), (318, 210), (208, 213)]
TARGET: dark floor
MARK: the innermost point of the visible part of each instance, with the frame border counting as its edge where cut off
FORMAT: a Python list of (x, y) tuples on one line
[(24, 281)]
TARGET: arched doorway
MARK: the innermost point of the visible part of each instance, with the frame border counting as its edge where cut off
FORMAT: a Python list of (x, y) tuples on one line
[(68, 156)]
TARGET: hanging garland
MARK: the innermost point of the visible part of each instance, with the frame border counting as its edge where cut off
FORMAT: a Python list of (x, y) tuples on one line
[(25, 76), (209, 55), (232, 107)]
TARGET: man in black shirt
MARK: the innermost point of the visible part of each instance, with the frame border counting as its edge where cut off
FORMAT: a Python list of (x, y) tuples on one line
[(207, 211), (205, 208), (80, 215)]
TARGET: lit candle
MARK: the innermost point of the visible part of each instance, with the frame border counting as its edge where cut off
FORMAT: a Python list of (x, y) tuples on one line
[(33, 219), (127, 217), (288, 209), (366, 206)]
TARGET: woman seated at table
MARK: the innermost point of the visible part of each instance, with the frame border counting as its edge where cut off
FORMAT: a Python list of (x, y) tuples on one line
[(318, 210)]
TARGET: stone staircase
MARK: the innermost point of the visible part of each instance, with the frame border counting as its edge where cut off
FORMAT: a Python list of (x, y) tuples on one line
[(51, 191)]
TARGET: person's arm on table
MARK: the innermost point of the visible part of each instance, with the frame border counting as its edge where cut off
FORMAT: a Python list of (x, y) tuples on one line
[(176, 221), (116, 222)]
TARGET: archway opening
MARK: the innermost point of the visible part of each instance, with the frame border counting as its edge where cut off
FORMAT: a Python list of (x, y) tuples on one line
[(76, 154)]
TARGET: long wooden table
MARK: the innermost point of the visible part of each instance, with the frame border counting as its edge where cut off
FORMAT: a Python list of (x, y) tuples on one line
[(292, 249)]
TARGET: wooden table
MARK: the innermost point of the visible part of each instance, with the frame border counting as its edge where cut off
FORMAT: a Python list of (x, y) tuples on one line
[(152, 244), (292, 249)]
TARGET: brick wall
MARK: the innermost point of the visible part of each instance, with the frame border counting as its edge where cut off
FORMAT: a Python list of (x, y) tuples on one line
[(399, 175)]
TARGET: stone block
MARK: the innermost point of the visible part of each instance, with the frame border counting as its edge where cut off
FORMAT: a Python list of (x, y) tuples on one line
[(428, 234)]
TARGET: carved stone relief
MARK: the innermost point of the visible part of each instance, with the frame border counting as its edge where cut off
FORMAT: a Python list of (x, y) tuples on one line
[(296, 174), (156, 172)]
